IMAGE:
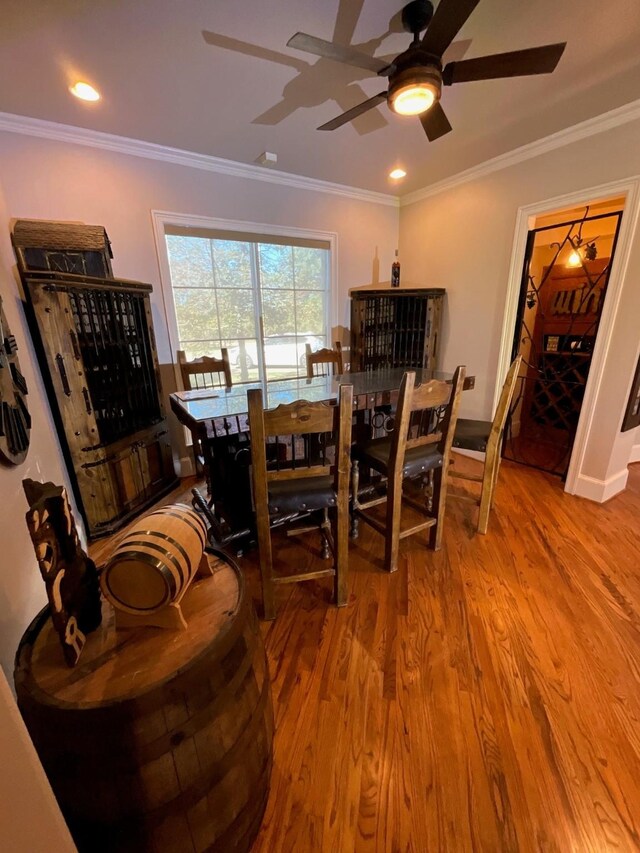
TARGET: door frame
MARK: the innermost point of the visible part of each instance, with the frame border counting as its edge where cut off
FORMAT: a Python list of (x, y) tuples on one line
[(525, 221)]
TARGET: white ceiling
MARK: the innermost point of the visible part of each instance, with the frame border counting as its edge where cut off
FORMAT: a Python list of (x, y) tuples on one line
[(162, 82)]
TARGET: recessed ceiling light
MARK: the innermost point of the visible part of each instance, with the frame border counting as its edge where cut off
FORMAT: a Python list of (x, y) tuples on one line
[(84, 91), (396, 174)]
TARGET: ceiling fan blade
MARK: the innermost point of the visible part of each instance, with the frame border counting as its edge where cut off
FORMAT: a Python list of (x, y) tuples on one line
[(354, 112), (448, 20), (339, 53), (435, 122), (516, 63)]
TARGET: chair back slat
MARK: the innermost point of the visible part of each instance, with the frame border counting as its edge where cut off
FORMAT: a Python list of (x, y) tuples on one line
[(206, 371), (430, 395), (300, 418), (316, 361), (298, 473)]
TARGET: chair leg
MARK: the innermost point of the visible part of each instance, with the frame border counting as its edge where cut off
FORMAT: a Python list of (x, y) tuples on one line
[(438, 503), (325, 528), (495, 482), (355, 484), (265, 555), (341, 556), (392, 538), (486, 497)]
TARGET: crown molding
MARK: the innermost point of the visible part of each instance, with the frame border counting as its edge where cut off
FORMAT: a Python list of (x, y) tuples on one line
[(43, 129), (590, 127)]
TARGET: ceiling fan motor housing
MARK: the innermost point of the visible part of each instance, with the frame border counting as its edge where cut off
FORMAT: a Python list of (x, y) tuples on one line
[(416, 16)]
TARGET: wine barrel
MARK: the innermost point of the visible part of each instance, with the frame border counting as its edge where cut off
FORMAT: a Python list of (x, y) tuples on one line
[(156, 561), (155, 741)]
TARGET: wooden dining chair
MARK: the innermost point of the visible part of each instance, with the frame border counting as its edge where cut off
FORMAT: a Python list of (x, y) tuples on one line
[(206, 371), (419, 443), (201, 373), (485, 437), (316, 361), (303, 483)]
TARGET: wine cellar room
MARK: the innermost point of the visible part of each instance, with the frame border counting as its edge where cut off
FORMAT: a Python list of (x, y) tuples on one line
[(565, 273)]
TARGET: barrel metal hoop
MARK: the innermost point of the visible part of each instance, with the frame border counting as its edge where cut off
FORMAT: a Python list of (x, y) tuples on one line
[(156, 547), (158, 535), (200, 531)]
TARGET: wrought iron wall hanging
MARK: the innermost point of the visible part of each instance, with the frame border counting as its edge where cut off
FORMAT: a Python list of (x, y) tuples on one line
[(15, 420)]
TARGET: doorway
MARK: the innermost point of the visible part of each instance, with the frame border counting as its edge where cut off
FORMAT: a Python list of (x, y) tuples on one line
[(565, 274)]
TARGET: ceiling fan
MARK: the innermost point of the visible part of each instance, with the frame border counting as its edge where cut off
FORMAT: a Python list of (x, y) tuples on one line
[(416, 76)]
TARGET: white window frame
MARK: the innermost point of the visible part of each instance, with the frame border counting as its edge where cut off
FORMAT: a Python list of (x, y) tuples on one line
[(162, 219)]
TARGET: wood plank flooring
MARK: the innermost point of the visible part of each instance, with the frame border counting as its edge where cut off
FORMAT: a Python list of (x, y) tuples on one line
[(482, 698)]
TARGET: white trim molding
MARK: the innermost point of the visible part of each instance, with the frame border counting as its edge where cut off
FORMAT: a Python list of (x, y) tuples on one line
[(582, 130), (635, 454), (152, 151), (630, 190), (601, 490)]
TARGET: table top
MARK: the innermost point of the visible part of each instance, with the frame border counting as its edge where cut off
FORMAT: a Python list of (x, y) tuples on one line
[(211, 403)]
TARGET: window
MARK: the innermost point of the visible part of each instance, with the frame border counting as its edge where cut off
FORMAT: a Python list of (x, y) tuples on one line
[(262, 297)]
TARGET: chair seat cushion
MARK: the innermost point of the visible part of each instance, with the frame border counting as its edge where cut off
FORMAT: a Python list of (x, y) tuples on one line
[(303, 495), (472, 435), (417, 460)]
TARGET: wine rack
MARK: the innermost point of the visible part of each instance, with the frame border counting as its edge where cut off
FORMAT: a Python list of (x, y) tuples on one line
[(395, 328)]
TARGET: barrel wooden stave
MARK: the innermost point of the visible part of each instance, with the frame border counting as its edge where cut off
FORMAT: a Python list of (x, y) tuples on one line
[(184, 766)]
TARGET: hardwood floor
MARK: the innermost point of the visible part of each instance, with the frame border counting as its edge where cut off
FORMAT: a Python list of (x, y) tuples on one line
[(485, 697)]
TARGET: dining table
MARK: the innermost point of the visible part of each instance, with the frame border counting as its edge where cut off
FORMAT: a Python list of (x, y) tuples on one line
[(219, 418)]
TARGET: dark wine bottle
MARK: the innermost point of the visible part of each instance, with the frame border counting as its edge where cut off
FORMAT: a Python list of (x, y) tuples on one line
[(395, 272)]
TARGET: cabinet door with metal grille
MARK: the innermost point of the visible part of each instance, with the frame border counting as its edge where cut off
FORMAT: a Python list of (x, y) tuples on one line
[(395, 328), (96, 338)]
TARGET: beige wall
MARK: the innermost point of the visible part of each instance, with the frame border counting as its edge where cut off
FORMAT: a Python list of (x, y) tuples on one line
[(51, 180), (462, 239), (30, 820)]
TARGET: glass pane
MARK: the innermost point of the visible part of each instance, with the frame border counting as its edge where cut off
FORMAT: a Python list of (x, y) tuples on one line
[(232, 263), (276, 266), (278, 312), (310, 268), (237, 318), (310, 311), (190, 261), (243, 357), (195, 349), (196, 314)]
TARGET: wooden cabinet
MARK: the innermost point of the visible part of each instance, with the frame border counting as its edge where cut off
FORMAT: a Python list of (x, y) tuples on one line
[(96, 349), (395, 328)]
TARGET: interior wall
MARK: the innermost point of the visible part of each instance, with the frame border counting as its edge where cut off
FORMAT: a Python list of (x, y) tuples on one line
[(462, 239), (30, 820), (42, 179)]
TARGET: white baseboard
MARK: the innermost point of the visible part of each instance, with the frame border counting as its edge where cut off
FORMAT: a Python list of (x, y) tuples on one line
[(635, 454), (601, 490)]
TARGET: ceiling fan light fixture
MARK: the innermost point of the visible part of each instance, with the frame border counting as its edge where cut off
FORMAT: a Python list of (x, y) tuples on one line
[(414, 90), (413, 99)]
